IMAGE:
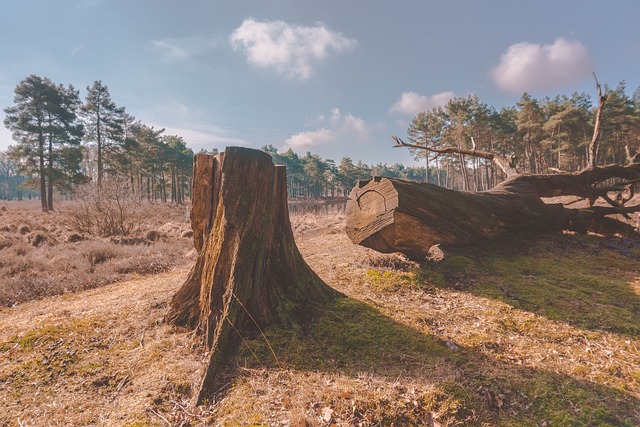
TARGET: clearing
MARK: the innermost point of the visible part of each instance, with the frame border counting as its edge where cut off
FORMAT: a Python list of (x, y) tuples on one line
[(542, 330)]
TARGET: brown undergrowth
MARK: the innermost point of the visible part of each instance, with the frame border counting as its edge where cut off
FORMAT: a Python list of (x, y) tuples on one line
[(529, 331), (45, 254)]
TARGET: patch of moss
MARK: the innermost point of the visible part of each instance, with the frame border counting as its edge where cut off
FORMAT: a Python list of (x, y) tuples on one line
[(394, 281), (350, 336), (576, 279), (456, 264), (41, 336)]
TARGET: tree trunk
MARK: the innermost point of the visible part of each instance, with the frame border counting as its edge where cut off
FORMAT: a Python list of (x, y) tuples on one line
[(394, 215), (43, 173), (249, 273)]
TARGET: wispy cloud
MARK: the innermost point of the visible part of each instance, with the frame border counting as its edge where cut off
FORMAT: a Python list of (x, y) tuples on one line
[(412, 103), (174, 49), (178, 119), (198, 136), (529, 66), (77, 49), (334, 128), (289, 49)]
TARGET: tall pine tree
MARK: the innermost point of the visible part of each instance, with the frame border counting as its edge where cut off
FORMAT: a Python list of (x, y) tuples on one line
[(47, 132), (104, 123)]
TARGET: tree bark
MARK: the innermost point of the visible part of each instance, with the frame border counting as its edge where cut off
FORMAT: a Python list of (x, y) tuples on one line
[(394, 215), (249, 273)]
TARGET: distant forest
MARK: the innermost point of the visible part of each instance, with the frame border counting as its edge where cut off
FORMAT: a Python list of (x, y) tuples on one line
[(540, 136), (63, 141)]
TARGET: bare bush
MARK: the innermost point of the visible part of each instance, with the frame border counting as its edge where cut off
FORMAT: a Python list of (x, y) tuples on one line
[(99, 252), (111, 210)]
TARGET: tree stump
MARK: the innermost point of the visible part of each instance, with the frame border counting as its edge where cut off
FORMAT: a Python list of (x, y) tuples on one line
[(249, 273)]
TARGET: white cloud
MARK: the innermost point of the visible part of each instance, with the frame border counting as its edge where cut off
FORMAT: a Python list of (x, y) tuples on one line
[(289, 49), (411, 103), (306, 140), (529, 66), (334, 129)]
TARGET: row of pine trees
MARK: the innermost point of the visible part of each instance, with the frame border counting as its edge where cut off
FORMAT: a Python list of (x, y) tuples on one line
[(538, 135), (62, 141)]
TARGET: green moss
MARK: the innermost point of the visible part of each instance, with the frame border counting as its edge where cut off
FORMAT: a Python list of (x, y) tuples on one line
[(40, 336), (394, 281), (576, 279), (456, 264), (349, 335)]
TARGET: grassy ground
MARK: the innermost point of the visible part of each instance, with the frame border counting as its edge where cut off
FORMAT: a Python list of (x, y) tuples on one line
[(530, 331)]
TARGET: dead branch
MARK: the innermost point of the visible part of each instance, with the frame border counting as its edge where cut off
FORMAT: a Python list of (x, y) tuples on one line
[(499, 161), (632, 158), (594, 145)]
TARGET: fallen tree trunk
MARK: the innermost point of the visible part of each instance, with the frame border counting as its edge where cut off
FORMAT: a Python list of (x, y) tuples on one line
[(249, 273), (394, 215)]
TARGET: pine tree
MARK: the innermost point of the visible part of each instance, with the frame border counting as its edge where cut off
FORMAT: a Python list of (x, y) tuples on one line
[(104, 123), (47, 132)]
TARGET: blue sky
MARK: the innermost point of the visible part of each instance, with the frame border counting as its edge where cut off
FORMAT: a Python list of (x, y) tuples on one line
[(334, 77)]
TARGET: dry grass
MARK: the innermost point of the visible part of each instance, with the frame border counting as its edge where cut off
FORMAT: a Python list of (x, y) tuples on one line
[(42, 254), (536, 332)]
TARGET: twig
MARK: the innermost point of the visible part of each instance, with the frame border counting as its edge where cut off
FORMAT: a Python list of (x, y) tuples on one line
[(157, 414), (122, 383), (20, 423), (579, 199), (7, 352), (183, 409), (244, 341), (259, 329), (499, 161)]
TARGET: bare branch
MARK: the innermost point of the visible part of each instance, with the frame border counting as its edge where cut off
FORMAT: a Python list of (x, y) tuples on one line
[(501, 162), (594, 145), (613, 210), (632, 159)]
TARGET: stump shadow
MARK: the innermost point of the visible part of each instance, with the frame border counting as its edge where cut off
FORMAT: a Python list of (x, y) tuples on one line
[(353, 338)]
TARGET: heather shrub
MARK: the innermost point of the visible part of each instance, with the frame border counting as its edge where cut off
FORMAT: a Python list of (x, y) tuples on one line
[(56, 254), (99, 252)]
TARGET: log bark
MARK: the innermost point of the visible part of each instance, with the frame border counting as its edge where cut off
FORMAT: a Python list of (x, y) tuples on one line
[(395, 215), (249, 273)]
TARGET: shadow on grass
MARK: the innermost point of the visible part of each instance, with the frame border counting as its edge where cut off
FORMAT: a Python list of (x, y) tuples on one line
[(585, 281), (466, 387)]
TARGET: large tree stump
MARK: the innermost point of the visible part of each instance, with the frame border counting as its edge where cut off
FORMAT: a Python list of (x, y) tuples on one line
[(395, 215), (249, 273)]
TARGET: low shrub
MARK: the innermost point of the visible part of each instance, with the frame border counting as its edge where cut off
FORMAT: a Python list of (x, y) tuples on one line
[(112, 210)]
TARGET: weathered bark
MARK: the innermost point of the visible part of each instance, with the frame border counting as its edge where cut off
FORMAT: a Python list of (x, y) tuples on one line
[(394, 215), (249, 273)]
